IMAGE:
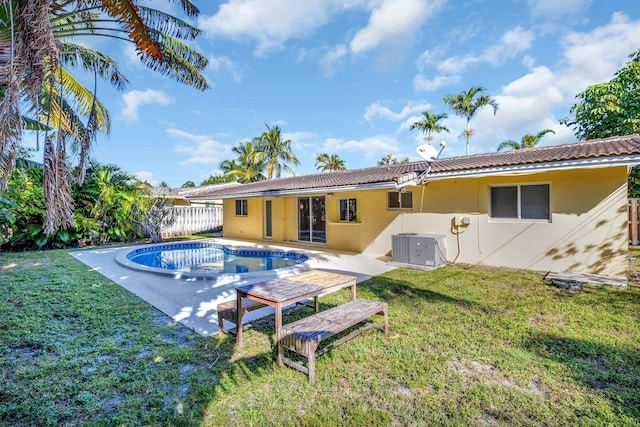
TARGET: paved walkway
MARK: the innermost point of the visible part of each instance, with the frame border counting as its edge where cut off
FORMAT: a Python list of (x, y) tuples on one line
[(193, 301)]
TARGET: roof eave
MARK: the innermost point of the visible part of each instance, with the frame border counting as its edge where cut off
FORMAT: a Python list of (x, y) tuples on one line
[(630, 160)]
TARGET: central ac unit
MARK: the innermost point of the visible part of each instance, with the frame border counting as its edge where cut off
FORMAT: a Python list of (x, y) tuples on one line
[(419, 249)]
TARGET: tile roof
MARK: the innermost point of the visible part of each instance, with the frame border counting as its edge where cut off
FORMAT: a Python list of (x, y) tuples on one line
[(600, 149)]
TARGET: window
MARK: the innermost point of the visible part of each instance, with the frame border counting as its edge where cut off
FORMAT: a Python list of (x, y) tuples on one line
[(242, 207), (399, 200), (520, 202), (348, 210)]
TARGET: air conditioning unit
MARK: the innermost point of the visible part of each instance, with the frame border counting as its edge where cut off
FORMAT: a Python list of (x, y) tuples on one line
[(427, 250)]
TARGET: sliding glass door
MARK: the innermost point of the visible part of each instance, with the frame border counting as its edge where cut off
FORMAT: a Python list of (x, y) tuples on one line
[(312, 219)]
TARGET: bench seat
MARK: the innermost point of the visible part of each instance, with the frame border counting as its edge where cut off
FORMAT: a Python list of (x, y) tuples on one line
[(304, 335), (227, 311)]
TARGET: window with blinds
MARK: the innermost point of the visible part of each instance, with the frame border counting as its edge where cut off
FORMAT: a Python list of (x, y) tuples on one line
[(528, 202)]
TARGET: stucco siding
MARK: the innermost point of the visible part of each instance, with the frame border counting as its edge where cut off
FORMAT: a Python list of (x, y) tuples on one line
[(586, 232)]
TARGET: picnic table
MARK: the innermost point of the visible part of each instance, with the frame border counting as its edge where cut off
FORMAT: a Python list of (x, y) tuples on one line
[(280, 293)]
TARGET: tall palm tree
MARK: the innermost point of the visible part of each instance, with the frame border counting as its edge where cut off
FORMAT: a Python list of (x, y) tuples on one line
[(329, 162), (274, 152), (33, 66), (467, 103), (430, 124), (527, 141)]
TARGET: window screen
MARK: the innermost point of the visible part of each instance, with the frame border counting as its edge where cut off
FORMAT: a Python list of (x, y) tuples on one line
[(399, 200), (242, 206), (348, 210), (520, 201)]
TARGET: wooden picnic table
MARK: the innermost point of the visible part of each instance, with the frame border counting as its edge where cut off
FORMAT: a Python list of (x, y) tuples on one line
[(280, 293)]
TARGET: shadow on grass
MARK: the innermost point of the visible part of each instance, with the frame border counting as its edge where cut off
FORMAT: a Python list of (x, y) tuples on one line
[(611, 372)]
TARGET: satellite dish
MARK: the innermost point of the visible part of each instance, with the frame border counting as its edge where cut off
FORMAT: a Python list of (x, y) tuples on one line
[(427, 152)]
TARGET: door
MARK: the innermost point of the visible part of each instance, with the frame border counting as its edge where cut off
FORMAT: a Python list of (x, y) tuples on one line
[(268, 220), (312, 219)]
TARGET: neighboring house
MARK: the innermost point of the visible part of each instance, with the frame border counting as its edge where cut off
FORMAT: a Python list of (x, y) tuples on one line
[(553, 208)]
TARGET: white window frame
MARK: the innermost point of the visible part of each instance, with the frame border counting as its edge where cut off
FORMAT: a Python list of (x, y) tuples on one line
[(244, 207), (348, 202), (404, 208), (519, 203)]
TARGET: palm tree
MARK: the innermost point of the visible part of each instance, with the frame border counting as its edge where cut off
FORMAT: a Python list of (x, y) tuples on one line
[(390, 159), (245, 168), (34, 63), (527, 141), (274, 152), (430, 124), (329, 162), (467, 104)]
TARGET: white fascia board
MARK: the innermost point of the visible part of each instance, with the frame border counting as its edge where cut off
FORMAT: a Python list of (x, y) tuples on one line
[(308, 191), (544, 167)]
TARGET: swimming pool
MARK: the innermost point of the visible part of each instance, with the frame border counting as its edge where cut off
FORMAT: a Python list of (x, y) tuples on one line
[(207, 259)]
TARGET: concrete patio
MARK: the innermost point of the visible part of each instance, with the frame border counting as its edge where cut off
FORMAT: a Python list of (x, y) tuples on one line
[(193, 301)]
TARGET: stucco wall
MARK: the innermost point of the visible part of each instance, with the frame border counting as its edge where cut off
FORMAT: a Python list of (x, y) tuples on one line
[(587, 231)]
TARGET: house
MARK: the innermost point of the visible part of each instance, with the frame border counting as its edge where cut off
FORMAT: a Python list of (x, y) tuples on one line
[(552, 208)]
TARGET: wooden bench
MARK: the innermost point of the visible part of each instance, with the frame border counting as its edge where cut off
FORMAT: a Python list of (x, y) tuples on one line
[(227, 311), (304, 335)]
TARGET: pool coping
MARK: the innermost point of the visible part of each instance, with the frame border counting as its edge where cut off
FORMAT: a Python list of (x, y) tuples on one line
[(123, 260)]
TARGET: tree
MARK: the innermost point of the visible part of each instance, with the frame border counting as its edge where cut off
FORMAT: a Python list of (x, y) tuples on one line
[(247, 167), (527, 141), (329, 162), (390, 159), (34, 76), (274, 152), (467, 104), (217, 179), (609, 109), (189, 184), (430, 124)]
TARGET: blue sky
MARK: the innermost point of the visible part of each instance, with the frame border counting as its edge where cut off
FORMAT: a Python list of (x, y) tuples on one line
[(349, 77)]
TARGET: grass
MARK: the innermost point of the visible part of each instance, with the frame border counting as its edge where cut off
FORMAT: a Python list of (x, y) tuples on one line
[(468, 346)]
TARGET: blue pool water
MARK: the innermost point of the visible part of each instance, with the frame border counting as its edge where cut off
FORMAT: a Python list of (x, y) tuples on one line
[(212, 258)]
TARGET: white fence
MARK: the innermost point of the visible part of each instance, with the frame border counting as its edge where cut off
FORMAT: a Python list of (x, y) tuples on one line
[(192, 220)]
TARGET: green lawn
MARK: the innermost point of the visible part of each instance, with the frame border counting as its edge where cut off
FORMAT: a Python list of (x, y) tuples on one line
[(468, 346)]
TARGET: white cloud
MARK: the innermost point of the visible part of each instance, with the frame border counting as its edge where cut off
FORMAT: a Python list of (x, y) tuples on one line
[(512, 43), (222, 63), (147, 176), (199, 149), (135, 99), (268, 22), (594, 57), (554, 9), (376, 110), (370, 148), (331, 59), (393, 22)]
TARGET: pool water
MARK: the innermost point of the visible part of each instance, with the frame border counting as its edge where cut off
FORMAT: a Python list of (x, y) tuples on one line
[(213, 258)]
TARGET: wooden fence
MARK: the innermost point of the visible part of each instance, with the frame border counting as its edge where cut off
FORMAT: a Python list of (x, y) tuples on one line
[(191, 220)]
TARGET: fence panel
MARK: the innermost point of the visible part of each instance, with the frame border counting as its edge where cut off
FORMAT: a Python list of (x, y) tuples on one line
[(192, 220), (634, 225)]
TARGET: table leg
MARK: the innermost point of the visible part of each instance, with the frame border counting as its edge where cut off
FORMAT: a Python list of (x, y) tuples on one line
[(238, 320), (353, 292), (278, 325)]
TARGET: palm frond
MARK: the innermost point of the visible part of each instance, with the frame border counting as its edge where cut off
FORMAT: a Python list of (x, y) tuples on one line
[(126, 12), (168, 24), (73, 55), (179, 62)]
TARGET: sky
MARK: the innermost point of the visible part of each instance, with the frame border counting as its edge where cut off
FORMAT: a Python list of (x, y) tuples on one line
[(349, 77)]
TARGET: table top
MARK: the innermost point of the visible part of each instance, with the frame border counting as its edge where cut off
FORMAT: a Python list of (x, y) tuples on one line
[(281, 290)]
